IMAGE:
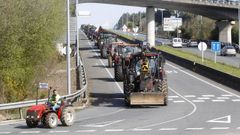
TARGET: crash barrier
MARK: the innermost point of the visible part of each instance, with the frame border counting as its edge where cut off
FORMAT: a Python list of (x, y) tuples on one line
[(218, 76), (215, 75), (71, 97)]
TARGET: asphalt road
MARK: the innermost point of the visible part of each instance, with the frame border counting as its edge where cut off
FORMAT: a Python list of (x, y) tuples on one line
[(228, 60), (197, 106)]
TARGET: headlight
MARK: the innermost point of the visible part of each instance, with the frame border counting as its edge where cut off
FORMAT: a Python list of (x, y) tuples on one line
[(27, 116), (138, 73), (101, 43)]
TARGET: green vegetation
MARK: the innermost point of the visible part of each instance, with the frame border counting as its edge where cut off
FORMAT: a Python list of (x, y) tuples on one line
[(207, 62), (28, 31)]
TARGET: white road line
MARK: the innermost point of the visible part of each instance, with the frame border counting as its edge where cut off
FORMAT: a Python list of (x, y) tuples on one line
[(218, 100), (208, 95), (114, 130), (220, 128), (170, 99), (5, 132), (226, 95), (198, 101), (29, 132), (173, 96), (167, 129), (236, 100), (138, 129), (238, 128), (222, 97), (119, 87), (203, 98), (194, 128), (204, 81), (58, 131), (180, 101), (176, 119), (189, 96), (85, 131)]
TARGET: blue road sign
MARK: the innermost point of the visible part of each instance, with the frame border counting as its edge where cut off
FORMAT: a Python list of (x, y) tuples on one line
[(215, 46)]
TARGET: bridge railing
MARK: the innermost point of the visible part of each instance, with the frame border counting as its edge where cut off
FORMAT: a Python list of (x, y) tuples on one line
[(219, 2)]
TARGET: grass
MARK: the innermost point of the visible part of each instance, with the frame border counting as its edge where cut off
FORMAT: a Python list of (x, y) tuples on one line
[(207, 62)]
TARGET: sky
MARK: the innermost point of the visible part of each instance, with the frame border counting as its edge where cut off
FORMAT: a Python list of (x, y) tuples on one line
[(104, 14)]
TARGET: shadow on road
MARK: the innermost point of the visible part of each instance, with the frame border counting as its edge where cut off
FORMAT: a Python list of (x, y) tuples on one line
[(104, 79), (107, 99)]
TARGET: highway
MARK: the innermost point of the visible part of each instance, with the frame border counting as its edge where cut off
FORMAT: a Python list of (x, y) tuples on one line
[(228, 60), (197, 106)]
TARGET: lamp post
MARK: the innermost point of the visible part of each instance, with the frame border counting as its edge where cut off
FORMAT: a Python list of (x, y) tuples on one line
[(239, 25), (68, 50)]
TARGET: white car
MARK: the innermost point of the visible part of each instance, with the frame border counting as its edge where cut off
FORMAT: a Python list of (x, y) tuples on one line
[(228, 50), (177, 42)]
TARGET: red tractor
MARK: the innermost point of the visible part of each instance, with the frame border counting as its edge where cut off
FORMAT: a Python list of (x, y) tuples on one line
[(43, 113)]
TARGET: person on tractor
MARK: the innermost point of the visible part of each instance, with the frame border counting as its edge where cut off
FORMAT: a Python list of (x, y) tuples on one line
[(55, 100)]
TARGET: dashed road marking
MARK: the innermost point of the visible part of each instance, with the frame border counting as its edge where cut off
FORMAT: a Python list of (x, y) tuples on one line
[(167, 129), (208, 95), (198, 101), (138, 129), (85, 131), (222, 97), (219, 128), (226, 95), (170, 99), (203, 98), (238, 128), (194, 128), (173, 96), (179, 101), (29, 132), (218, 100), (4, 133), (236, 100), (114, 130), (58, 131), (189, 96)]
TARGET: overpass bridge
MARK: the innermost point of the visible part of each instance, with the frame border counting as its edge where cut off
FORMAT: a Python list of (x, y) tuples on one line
[(224, 13)]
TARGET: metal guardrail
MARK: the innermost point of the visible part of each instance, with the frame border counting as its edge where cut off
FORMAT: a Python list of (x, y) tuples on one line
[(23, 104)]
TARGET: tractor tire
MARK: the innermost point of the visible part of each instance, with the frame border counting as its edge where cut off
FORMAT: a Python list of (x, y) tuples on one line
[(104, 53), (51, 120), (67, 117), (31, 123), (110, 62), (164, 88), (118, 72)]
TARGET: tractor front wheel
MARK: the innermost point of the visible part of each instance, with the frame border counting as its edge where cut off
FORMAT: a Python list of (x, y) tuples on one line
[(31, 123), (67, 117), (51, 120)]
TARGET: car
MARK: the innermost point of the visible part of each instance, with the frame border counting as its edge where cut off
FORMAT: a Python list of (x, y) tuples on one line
[(228, 50), (177, 42), (192, 43)]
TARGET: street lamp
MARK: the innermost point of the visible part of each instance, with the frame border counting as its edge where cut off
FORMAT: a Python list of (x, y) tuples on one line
[(68, 49)]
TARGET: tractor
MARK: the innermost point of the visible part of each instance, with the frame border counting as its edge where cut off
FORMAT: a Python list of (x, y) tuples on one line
[(107, 40), (145, 81), (43, 113)]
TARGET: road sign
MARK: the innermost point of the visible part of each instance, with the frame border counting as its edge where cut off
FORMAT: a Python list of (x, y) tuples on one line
[(215, 46), (202, 46), (170, 24), (43, 86), (84, 13)]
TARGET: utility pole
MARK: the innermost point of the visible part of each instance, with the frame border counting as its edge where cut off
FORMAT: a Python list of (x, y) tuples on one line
[(239, 25), (140, 19), (68, 50)]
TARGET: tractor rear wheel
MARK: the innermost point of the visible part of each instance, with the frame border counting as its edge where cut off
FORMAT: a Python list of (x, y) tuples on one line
[(110, 62), (31, 123), (118, 72), (51, 120), (165, 91), (67, 117)]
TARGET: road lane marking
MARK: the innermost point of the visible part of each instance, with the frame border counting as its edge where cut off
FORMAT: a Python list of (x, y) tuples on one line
[(85, 131), (119, 87), (58, 131), (236, 100), (220, 128), (102, 124), (226, 95), (170, 99), (238, 128), (141, 129), (189, 96), (224, 119), (208, 95), (5, 132), (194, 128), (203, 98), (29, 132), (167, 129), (218, 100), (222, 97), (180, 101), (114, 130), (204, 81), (198, 101), (176, 119), (173, 96)]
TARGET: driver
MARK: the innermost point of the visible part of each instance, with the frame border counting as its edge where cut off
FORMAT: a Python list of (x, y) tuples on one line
[(55, 101)]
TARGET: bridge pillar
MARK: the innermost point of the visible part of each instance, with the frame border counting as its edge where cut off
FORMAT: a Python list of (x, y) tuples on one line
[(225, 30), (150, 15)]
